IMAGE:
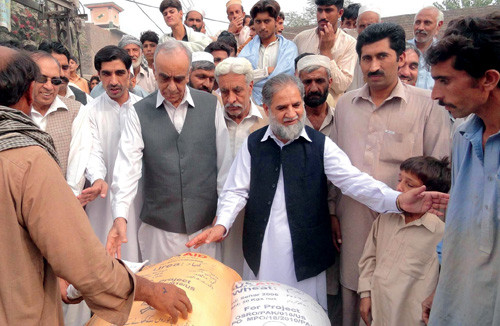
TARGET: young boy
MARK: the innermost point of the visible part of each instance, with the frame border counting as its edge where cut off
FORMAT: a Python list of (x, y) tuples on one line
[(399, 267)]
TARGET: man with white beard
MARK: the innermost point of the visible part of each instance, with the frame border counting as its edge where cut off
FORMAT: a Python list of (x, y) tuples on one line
[(287, 233), (145, 76)]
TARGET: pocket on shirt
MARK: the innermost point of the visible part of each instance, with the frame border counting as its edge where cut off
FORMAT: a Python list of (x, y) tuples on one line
[(415, 263), (396, 147)]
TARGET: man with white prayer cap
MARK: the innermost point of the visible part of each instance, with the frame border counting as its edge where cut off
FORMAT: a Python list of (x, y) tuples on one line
[(367, 15), (201, 75), (194, 19), (236, 17), (314, 72)]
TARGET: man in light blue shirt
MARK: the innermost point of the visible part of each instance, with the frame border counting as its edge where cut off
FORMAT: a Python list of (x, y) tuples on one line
[(426, 26), (466, 71)]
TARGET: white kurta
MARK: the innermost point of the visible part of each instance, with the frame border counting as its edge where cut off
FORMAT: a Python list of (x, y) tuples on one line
[(277, 262), (106, 120)]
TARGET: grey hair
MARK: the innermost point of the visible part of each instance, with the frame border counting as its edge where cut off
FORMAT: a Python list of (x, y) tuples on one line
[(312, 68), (240, 66), (171, 46), (411, 46), (276, 83), (203, 65), (439, 13), (39, 55)]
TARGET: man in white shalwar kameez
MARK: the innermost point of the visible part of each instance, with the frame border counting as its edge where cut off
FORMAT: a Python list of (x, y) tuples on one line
[(106, 116), (280, 175)]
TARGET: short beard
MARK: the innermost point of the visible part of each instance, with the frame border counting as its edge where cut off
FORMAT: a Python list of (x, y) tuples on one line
[(316, 101), (286, 132), (137, 63)]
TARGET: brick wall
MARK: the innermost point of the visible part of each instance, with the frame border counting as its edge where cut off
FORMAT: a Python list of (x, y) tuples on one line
[(406, 21)]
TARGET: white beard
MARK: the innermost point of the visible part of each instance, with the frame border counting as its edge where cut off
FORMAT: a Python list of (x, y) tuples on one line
[(286, 132)]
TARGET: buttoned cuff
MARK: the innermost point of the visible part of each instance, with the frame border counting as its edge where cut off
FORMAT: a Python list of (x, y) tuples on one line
[(365, 294), (121, 212), (390, 202)]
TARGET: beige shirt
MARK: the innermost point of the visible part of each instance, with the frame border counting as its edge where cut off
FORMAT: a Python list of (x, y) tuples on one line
[(377, 140), (146, 79), (399, 267), (327, 125), (255, 119), (45, 233), (344, 57), (81, 83)]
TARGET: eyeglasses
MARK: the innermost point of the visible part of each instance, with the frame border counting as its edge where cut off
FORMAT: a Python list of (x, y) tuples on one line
[(54, 80)]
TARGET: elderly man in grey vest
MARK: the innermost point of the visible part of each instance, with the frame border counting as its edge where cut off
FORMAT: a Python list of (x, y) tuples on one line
[(177, 140), (281, 175)]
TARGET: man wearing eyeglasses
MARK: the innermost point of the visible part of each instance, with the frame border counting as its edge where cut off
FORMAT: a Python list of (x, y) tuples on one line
[(53, 114), (62, 55)]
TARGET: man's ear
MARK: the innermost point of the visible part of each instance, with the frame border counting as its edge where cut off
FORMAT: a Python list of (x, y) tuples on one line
[(251, 87), (29, 94), (266, 108), (490, 79), (402, 59), (341, 12)]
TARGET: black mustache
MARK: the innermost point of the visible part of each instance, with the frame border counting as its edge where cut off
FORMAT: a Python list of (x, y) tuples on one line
[(375, 73), (442, 103)]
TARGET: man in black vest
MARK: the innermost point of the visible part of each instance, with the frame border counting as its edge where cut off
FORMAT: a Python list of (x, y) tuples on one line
[(281, 175), (177, 140)]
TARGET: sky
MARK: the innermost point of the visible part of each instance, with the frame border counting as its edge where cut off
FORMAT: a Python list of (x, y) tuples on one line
[(133, 21)]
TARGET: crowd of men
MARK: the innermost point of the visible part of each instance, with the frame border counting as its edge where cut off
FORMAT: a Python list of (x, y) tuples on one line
[(318, 162)]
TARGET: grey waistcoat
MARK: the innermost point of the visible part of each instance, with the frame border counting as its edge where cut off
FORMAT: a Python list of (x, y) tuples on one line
[(179, 170)]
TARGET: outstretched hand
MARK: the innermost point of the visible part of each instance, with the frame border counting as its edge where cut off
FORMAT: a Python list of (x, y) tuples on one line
[(420, 201), (99, 187), (214, 234), (116, 236)]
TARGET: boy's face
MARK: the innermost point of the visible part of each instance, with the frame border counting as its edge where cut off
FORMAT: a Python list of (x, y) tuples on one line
[(408, 181)]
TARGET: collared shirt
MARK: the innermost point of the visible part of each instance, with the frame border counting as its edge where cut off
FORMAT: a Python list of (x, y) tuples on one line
[(467, 293), (146, 79), (41, 120), (239, 132), (424, 79), (399, 262), (327, 125), (377, 140), (106, 119), (70, 94), (344, 57), (268, 57), (128, 165)]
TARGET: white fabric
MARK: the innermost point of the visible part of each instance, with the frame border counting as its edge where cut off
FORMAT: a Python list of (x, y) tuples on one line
[(41, 120), (313, 60), (232, 251), (370, 7), (128, 164), (202, 56), (239, 132), (196, 41), (277, 256), (106, 118), (268, 57), (146, 79), (158, 245), (198, 10)]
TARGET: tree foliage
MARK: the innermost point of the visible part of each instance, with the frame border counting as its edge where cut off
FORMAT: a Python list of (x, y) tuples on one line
[(457, 4)]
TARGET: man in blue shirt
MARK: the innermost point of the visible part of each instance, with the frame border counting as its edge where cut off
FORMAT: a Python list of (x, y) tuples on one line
[(466, 70)]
